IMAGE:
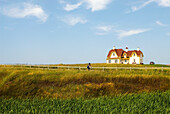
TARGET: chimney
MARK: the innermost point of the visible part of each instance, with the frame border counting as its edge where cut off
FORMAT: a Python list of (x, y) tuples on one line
[(114, 47), (138, 49), (126, 49)]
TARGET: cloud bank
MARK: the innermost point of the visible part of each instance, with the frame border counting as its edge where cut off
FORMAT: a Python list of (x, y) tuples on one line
[(26, 10), (163, 3), (70, 7), (103, 30), (73, 20), (94, 5), (160, 23), (122, 34)]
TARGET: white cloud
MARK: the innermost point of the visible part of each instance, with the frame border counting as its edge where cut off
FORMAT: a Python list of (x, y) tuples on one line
[(122, 34), (26, 10), (103, 30), (134, 8), (96, 5), (163, 3), (71, 20), (160, 23), (70, 7)]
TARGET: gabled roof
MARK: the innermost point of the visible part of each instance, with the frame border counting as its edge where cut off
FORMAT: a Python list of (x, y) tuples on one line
[(120, 52), (129, 53)]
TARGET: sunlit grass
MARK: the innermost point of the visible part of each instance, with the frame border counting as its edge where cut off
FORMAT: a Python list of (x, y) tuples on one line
[(80, 84), (25, 90), (112, 65)]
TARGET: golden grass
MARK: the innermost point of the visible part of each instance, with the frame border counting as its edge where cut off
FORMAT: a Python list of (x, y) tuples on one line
[(112, 65), (76, 84)]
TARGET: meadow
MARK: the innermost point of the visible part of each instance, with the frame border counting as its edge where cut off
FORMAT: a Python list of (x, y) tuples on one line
[(68, 91), (135, 103)]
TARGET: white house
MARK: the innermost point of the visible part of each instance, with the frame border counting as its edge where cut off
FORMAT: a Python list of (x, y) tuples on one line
[(119, 56)]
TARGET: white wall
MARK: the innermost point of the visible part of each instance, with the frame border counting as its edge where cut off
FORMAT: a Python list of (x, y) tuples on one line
[(127, 61), (137, 59), (113, 56), (113, 61)]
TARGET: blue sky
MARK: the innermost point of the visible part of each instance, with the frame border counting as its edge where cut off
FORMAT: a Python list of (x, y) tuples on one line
[(82, 31)]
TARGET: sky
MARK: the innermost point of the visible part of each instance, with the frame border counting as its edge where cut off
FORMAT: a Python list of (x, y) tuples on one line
[(82, 31)]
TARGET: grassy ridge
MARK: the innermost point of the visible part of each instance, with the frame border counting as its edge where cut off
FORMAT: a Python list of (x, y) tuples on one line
[(97, 65), (113, 65), (80, 84), (135, 103)]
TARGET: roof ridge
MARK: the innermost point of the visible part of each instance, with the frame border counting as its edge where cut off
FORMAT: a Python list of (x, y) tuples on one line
[(120, 52)]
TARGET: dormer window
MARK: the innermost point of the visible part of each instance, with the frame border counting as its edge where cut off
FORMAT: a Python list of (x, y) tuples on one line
[(124, 55), (113, 54), (134, 54)]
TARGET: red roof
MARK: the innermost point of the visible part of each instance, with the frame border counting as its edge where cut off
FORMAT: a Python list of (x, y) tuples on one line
[(129, 53), (120, 52)]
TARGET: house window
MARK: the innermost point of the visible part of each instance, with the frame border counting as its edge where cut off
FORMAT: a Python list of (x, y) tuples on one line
[(134, 54), (125, 60), (113, 54), (116, 61), (109, 61), (133, 60)]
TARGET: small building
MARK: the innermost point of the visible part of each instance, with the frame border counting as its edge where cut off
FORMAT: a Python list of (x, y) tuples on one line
[(120, 56)]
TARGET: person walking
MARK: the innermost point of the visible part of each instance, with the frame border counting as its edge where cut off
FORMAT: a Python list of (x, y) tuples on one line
[(89, 66)]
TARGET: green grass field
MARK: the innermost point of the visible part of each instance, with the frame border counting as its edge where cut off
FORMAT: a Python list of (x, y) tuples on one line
[(135, 103), (68, 91)]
